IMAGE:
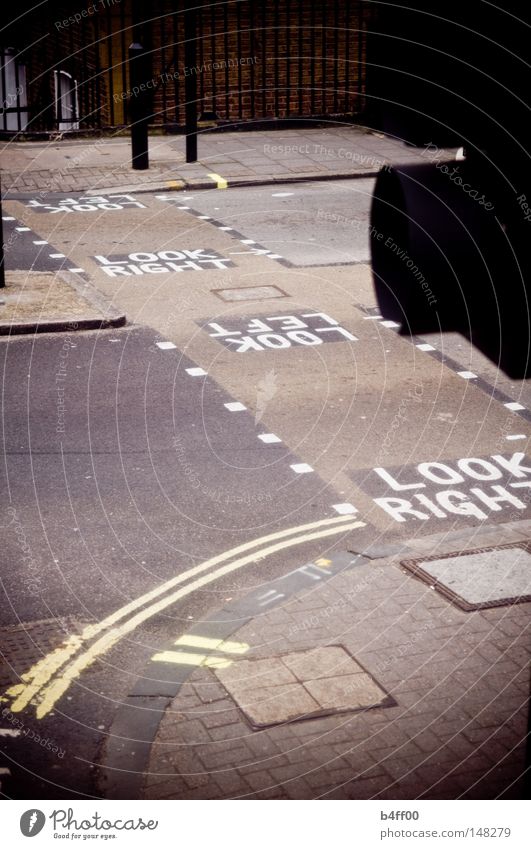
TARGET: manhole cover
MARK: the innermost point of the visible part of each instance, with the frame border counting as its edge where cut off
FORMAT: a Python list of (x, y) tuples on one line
[(301, 685), (250, 293), (21, 646), (484, 577)]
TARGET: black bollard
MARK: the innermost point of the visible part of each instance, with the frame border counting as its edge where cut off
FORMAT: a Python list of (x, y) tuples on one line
[(2, 272), (190, 80), (139, 110)]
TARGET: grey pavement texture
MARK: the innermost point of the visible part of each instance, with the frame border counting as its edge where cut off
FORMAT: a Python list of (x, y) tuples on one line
[(459, 681), (69, 164)]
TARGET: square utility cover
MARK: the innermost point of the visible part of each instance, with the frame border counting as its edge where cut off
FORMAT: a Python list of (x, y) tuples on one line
[(485, 577), (301, 685)]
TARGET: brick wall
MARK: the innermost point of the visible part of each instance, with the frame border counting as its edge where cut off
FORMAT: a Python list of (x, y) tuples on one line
[(255, 59)]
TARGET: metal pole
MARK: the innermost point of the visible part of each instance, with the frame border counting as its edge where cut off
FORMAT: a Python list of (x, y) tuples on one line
[(2, 272), (138, 107), (190, 80)]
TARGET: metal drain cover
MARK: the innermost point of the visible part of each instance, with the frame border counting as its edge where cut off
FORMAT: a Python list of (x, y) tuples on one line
[(21, 646), (485, 577), (301, 685)]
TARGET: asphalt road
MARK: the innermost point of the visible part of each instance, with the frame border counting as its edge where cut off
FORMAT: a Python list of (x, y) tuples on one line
[(125, 468)]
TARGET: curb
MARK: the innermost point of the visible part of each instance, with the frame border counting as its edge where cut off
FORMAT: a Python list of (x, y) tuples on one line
[(138, 717), (112, 317), (199, 183)]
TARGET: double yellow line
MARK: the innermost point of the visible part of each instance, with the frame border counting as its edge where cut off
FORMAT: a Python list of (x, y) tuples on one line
[(47, 681)]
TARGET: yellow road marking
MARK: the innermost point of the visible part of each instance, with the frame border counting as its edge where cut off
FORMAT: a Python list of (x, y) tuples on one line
[(219, 180), (212, 643), (323, 561), (56, 688), (38, 675), (175, 184)]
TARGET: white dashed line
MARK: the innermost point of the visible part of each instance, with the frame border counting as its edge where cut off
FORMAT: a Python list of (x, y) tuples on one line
[(40, 242), (9, 732), (57, 256), (8, 218), (345, 509), (76, 270), (514, 405), (516, 436), (196, 372), (22, 229), (282, 194), (165, 346), (390, 324), (248, 241), (226, 228), (425, 347), (301, 468), (372, 317), (274, 256), (467, 375), (269, 437), (235, 406), (204, 217), (183, 207)]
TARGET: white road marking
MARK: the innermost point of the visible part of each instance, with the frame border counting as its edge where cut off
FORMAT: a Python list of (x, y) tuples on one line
[(425, 347), (282, 194), (204, 217), (275, 256), (9, 732), (345, 509), (22, 229), (76, 270), (372, 317), (516, 436), (248, 241), (226, 228), (57, 256), (269, 597), (390, 324), (514, 405), (183, 207), (196, 372), (8, 218), (467, 375), (40, 242), (301, 468), (269, 437), (235, 406), (165, 346)]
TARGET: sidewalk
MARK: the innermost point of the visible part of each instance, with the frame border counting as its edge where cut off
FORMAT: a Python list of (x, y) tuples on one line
[(227, 158), (358, 680)]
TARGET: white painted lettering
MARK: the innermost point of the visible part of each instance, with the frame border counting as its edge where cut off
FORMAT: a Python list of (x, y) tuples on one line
[(394, 484), (466, 508), (514, 464), (428, 503), (153, 268), (247, 343), (143, 257), (304, 337), (446, 476), (504, 496), (490, 473), (115, 270), (272, 340), (165, 255), (397, 507)]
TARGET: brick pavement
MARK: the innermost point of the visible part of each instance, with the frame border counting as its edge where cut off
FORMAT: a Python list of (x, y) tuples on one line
[(70, 164), (459, 679)]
